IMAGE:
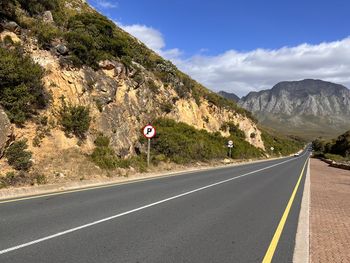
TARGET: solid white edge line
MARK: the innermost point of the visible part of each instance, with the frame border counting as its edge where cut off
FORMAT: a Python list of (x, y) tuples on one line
[(302, 240), (4, 251)]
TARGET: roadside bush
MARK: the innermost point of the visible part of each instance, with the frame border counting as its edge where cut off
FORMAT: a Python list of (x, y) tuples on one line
[(281, 145), (75, 119), (338, 148), (18, 156), (318, 145), (12, 179), (105, 157), (341, 145), (21, 87), (182, 143)]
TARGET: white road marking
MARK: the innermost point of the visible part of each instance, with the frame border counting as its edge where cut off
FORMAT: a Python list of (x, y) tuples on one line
[(7, 250)]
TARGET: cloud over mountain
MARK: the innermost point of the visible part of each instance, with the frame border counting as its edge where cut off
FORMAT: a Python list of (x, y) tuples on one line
[(244, 71)]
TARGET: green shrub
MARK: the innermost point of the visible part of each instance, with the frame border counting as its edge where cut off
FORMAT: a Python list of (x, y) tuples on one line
[(233, 129), (282, 145), (46, 33), (341, 145), (75, 119), (39, 178), (336, 157), (21, 87), (166, 107), (37, 7), (182, 143), (318, 145), (105, 157), (91, 38), (18, 156), (13, 179), (152, 86), (7, 9)]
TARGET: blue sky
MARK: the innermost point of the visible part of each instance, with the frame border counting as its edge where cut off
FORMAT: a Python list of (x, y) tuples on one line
[(216, 41)]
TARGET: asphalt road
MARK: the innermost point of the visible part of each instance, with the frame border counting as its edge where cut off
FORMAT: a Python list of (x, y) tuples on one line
[(222, 215)]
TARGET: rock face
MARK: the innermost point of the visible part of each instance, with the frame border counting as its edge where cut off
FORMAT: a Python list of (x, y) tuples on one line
[(62, 49), (5, 132), (12, 27), (312, 105), (47, 17), (121, 103), (230, 96)]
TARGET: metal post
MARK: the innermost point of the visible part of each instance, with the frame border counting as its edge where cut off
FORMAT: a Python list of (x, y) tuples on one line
[(148, 152), (230, 152)]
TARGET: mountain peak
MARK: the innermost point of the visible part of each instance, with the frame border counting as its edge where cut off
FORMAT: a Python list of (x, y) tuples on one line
[(228, 95), (318, 105)]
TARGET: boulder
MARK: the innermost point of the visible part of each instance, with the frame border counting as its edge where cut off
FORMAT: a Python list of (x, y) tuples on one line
[(47, 17), (12, 27), (62, 49), (107, 64), (6, 132)]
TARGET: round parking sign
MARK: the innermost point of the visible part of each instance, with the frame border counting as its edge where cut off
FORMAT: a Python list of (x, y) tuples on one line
[(149, 131)]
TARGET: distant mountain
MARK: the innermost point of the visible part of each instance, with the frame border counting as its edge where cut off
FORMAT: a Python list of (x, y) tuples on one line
[(307, 107), (230, 96)]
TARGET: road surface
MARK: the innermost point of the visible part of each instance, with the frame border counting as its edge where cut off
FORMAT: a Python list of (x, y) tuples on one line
[(229, 214)]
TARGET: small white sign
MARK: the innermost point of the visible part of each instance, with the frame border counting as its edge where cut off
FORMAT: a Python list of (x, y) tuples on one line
[(149, 131), (230, 142), (272, 148)]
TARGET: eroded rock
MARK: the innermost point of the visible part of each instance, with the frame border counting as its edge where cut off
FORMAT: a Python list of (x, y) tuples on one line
[(12, 27), (47, 17), (6, 132), (107, 64), (62, 49)]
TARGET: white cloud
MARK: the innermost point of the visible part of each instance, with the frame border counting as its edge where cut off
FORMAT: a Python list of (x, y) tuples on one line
[(242, 72), (106, 4), (148, 35), (153, 39)]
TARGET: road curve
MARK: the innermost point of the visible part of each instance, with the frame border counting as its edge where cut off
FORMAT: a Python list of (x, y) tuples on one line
[(223, 215)]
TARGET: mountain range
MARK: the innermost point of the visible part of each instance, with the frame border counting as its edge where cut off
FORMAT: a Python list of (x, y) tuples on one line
[(307, 108)]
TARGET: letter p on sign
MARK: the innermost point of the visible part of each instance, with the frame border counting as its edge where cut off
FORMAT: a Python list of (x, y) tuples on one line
[(149, 131)]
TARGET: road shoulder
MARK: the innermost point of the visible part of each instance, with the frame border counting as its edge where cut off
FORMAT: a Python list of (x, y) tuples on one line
[(330, 213), (23, 192), (301, 250)]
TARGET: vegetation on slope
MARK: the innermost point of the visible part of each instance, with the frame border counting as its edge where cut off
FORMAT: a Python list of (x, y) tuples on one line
[(75, 119), (18, 156), (281, 145), (92, 37), (21, 88), (337, 149), (181, 143)]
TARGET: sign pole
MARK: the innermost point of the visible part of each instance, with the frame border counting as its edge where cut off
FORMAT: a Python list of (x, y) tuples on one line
[(148, 151), (149, 132), (230, 146)]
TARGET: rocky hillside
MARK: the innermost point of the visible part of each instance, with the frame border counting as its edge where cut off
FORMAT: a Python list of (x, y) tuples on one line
[(307, 108), (68, 76)]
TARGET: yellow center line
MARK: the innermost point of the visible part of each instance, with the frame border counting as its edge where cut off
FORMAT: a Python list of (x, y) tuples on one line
[(274, 242)]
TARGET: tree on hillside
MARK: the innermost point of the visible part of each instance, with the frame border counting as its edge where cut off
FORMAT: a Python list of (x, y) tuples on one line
[(342, 145)]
